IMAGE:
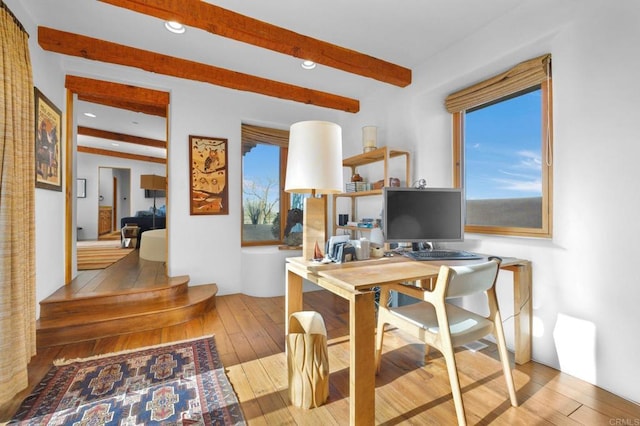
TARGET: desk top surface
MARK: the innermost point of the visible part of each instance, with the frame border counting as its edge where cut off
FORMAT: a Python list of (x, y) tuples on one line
[(380, 271)]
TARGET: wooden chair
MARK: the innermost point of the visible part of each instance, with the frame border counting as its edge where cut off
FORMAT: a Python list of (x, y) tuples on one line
[(445, 326)]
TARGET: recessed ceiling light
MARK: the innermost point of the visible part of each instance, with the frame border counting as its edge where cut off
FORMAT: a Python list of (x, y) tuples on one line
[(175, 27), (308, 65), (115, 144), (90, 114)]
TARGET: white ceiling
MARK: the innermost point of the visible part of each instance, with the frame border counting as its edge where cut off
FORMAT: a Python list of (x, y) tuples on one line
[(121, 121), (406, 33)]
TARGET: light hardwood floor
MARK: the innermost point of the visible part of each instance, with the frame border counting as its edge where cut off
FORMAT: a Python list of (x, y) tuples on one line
[(249, 333)]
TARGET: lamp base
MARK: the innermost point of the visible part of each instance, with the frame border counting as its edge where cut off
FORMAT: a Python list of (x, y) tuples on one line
[(313, 226)]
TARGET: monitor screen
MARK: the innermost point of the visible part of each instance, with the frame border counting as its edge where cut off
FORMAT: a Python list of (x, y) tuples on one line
[(423, 215)]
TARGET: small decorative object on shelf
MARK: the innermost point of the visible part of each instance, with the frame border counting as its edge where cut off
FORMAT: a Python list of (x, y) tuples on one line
[(420, 184), (380, 184), (317, 253), (369, 138), (356, 178), (357, 186)]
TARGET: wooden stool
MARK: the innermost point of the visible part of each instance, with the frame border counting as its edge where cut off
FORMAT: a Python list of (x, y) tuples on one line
[(307, 360)]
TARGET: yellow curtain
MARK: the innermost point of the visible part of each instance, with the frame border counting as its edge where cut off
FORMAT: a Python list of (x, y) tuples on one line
[(524, 75), (17, 208)]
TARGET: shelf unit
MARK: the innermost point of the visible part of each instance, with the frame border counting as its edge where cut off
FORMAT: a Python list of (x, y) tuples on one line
[(383, 154)]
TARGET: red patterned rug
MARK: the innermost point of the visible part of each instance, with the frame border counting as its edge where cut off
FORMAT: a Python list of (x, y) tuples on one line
[(180, 383)]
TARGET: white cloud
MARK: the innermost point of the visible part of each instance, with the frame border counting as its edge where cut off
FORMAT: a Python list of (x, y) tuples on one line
[(529, 160), (531, 185)]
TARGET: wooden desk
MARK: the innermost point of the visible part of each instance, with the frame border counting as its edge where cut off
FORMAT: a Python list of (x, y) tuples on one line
[(354, 281)]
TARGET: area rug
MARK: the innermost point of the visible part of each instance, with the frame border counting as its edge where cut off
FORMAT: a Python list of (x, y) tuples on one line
[(180, 383)]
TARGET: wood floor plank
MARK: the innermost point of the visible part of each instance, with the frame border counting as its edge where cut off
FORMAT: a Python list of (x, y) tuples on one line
[(249, 334)]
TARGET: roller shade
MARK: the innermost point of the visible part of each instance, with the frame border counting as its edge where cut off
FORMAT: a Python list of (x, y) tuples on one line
[(253, 135), (522, 76)]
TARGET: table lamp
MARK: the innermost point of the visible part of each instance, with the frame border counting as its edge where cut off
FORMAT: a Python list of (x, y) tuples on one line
[(314, 166), (153, 183)]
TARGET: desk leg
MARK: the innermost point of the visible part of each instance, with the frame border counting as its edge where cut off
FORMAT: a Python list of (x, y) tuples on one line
[(362, 376), (293, 297), (523, 310)]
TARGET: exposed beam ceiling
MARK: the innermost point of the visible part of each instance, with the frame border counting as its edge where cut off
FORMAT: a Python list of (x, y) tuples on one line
[(125, 97), (110, 153), (119, 95), (160, 111), (104, 51), (225, 23), (120, 137)]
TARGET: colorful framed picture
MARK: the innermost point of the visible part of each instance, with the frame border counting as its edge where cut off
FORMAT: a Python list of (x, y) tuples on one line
[(48, 139), (208, 180)]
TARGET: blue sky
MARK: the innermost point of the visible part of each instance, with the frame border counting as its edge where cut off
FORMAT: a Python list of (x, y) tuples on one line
[(502, 149), (260, 163)]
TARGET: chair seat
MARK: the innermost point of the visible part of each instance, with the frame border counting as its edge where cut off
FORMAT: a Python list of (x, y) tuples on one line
[(464, 326)]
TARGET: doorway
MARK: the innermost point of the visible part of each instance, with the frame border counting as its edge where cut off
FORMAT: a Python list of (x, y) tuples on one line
[(115, 96), (114, 194)]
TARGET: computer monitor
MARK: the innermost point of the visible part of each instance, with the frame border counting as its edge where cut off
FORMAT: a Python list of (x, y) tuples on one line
[(415, 215)]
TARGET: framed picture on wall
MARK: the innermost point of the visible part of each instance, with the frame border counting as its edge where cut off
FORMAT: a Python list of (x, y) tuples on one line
[(208, 180), (48, 138)]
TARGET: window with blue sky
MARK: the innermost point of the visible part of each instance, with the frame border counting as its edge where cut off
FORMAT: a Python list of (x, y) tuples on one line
[(502, 149)]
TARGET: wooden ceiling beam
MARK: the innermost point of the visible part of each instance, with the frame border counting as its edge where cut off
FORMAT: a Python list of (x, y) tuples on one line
[(225, 23), (109, 153), (159, 111), (99, 50), (118, 95), (121, 137)]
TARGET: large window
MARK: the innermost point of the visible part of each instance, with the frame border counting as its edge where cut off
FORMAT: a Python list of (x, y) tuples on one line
[(264, 202), (502, 151)]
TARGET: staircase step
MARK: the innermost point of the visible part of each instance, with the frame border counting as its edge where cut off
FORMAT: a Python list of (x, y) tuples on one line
[(129, 281), (122, 319), (52, 308)]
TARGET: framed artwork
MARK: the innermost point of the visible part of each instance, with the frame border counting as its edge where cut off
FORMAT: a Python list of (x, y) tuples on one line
[(208, 180), (81, 188), (48, 138)]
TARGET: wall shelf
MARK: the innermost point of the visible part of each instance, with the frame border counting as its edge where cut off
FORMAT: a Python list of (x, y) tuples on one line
[(383, 155)]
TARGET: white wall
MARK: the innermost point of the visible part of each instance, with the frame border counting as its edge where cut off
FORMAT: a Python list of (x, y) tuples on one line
[(585, 295), (207, 248), (578, 287)]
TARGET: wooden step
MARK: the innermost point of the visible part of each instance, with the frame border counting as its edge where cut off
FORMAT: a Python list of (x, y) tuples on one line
[(128, 318), (131, 295), (88, 302), (130, 280)]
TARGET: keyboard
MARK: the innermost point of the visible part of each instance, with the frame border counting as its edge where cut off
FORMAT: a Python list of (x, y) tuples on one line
[(441, 255)]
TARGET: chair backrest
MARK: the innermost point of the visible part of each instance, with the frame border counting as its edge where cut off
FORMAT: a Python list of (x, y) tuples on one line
[(471, 279)]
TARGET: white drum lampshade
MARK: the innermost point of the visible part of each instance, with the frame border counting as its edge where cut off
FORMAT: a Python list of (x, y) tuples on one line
[(314, 163), (314, 166)]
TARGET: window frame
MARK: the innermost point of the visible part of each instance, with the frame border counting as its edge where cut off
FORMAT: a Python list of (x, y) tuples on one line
[(285, 200), (272, 137), (545, 231)]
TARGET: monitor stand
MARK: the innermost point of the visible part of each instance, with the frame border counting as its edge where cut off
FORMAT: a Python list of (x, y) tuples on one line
[(425, 245)]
